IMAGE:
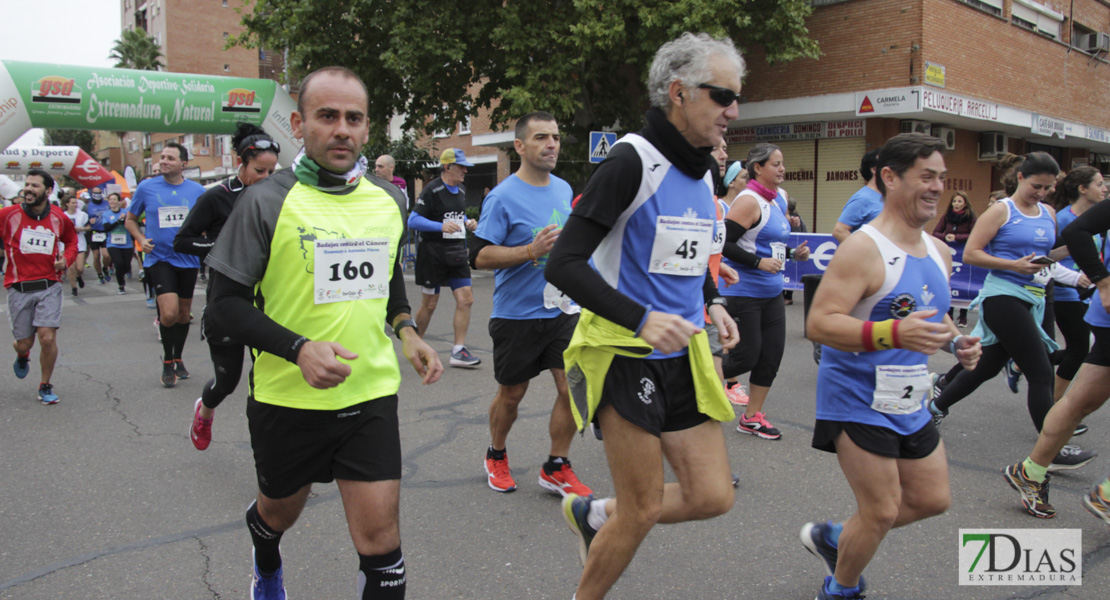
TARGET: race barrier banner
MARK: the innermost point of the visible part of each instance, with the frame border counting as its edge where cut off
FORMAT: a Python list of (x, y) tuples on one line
[(966, 280), (72, 97), (56, 160)]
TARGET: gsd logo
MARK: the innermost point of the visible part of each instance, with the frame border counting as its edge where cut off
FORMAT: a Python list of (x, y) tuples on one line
[(13, 164), (240, 100), (57, 165), (35, 165), (56, 90)]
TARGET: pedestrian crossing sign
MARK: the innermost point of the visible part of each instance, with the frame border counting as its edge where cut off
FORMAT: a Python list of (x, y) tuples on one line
[(600, 144)]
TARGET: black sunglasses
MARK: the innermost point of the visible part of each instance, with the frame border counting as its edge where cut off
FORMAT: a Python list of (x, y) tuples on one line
[(264, 145), (721, 95)]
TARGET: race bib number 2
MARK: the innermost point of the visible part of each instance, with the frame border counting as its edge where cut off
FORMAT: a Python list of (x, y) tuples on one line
[(682, 246), (348, 270), (900, 390)]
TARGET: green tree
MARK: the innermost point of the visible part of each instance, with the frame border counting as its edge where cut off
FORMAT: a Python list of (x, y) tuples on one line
[(82, 138), (136, 49), (584, 61), (412, 160)]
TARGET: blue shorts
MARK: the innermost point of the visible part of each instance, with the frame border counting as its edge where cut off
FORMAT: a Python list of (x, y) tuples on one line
[(456, 283)]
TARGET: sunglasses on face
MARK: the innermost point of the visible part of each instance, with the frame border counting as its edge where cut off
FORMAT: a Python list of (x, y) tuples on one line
[(721, 95)]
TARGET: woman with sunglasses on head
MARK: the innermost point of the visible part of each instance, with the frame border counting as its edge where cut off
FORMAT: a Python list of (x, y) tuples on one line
[(757, 234), (1013, 239), (258, 155)]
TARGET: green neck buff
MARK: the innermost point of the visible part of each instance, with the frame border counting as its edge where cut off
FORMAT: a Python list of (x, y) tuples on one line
[(310, 173)]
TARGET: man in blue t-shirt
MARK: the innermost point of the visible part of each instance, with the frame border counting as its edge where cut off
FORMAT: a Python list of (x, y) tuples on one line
[(532, 322), (166, 200), (864, 205)]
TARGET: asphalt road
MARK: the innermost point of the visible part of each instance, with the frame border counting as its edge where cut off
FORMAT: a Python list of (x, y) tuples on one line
[(103, 495)]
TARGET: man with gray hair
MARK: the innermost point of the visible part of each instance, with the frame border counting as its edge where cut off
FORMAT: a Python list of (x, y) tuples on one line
[(639, 363)]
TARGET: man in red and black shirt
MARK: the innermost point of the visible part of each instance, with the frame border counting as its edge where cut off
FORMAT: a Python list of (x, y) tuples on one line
[(40, 243)]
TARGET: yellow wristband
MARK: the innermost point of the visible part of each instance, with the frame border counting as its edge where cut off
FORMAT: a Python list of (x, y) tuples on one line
[(882, 335)]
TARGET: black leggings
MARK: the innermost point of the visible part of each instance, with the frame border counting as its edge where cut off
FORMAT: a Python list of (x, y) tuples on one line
[(121, 260), (227, 363), (1019, 337), (762, 325), (1077, 337)]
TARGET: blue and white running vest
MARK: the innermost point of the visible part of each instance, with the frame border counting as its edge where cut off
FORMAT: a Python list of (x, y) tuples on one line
[(768, 239), (1020, 236), (887, 388), (658, 251)]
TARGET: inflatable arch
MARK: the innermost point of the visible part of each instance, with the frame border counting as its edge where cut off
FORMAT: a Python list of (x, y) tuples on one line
[(71, 97)]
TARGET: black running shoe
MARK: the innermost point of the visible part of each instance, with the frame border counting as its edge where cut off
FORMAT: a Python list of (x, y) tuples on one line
[(180, 370), (169, 378)]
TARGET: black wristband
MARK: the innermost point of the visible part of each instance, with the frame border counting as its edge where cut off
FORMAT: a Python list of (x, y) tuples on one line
[(402, 324)]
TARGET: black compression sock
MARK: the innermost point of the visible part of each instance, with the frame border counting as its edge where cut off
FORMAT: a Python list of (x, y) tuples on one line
[(167, 340), (267, 555), (179, 341), (554, 463), (382, 577)]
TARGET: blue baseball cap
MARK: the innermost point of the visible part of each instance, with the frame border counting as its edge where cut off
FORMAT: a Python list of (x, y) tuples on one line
[(454, 156)]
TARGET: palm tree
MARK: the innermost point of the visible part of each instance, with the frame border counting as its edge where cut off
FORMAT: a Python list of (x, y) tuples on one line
[(136, 49)]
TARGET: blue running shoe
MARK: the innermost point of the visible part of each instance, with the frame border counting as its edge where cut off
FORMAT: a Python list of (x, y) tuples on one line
[(47, 395), (815, 539), (22, 366), (1013, 375), (575, 510), (150, 303), (855, 593), (269, 587)]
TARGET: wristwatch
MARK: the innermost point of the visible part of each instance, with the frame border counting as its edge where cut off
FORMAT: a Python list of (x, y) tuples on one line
[(402, 324), (719, 301)]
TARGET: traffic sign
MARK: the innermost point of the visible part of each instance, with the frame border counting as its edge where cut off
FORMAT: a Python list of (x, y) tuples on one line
[(600, 144)]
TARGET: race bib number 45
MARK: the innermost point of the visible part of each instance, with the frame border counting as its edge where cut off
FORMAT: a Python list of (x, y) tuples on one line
[(682, 246), (348, 270)]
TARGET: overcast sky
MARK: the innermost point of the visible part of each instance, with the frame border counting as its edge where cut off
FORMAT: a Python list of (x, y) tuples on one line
[(71, 32)]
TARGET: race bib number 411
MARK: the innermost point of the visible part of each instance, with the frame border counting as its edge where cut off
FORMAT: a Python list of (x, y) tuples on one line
[(682, 246), (348, 270)]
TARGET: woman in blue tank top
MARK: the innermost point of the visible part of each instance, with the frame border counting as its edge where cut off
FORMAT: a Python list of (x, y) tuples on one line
[(1011, 239), (1080, 190), (756, 245)]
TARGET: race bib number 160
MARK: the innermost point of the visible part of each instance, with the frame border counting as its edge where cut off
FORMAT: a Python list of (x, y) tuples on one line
[(348, 270)]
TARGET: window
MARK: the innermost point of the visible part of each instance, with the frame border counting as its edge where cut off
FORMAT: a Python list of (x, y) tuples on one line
[(227, 68), (225, 35), (225, 3), (993, 7), (464, 126), (1037, 17), (156, 148)]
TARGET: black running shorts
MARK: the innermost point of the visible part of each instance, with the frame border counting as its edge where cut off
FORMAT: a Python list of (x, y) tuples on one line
[(1100, 351), (522, 348), (295, 447), (878, 440), (438, 262), (168, 279), (655, 395)]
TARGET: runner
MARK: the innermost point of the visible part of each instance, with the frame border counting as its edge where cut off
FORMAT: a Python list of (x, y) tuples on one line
[(441, 257), (531, 323), (880, 312), (864, 205), (1081, 189), (32, 234), (756, 245), (1089, 390), (1013, 239), (80, 225), (639, 362), (119, 243), (323, 387), (95, 237), (258, 155), (167, 200)]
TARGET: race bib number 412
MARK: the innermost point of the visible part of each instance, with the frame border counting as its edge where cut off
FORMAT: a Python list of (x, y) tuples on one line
[(348, 270)]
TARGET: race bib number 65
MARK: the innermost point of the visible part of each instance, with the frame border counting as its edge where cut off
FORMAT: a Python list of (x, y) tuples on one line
[(682, 246), (348, 270)]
